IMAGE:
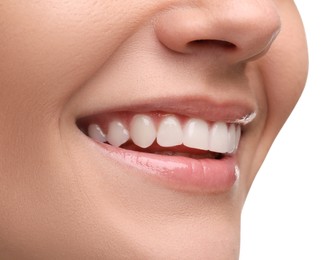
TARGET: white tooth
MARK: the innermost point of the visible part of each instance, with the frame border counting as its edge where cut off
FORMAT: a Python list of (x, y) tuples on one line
[(238, 135), (231, 138), (117, 133), (169, 132), (218, 139), (96, 133), (196, 134), (142, 130)]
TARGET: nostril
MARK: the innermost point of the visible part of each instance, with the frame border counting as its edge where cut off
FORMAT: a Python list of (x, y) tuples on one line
[(212, 44)]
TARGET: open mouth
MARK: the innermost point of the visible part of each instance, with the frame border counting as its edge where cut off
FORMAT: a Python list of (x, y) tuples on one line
[(182, 151), (164, 134)]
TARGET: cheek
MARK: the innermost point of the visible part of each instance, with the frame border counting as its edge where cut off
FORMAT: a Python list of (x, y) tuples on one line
[(285, 71), (49, 49), (283, 75)]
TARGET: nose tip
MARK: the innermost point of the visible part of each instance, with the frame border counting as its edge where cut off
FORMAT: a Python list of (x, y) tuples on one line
[(239, 32)]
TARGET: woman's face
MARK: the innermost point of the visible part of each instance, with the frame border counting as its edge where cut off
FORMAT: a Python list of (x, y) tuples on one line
[(121, 122)]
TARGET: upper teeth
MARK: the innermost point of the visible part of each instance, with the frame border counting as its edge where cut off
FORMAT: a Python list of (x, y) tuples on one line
[(195, 133)]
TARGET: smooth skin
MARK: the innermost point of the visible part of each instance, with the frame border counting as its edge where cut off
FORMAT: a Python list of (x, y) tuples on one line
[(62, 60)]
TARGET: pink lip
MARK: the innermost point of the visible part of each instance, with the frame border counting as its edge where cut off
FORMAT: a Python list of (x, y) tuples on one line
[(206, 108), (177, 172)]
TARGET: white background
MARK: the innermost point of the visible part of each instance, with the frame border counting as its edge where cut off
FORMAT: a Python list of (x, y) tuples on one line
[(289, 211)]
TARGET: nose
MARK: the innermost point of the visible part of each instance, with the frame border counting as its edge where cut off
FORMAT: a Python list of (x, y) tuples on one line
[(237, 30)]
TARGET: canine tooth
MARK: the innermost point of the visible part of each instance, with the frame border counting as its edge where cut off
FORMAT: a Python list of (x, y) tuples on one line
[(96, 133), (169, 132), (142, 130), (231, 138), (117, 133), (196, 134), (218, 138)]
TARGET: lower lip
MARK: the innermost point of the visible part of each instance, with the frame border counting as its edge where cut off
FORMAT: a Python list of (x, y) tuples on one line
[(178, 172)]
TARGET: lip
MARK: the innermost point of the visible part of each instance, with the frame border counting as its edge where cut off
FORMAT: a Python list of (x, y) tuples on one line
[(238, 110), (178, 172)]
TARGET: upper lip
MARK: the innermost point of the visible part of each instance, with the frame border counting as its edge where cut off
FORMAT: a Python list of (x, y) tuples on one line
[(230, 111)]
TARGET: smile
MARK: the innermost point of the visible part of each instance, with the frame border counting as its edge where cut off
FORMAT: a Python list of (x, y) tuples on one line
[(156, 131), (184, 152)]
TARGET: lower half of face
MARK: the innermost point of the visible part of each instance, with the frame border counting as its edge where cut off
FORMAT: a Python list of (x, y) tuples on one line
[(135, 129)]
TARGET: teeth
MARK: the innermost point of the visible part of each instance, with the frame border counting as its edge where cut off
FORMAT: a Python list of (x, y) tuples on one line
[(142, 129), (117, 133), (218, 137), (217, 141), (96, 133), (238, 135), (170, 132), (232, 138), (196, 134)]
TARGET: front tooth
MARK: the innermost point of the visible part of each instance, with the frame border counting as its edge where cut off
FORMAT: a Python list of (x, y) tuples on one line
[(232, 138), (196, 134), (117, 133), (96, 133), (142, 130), (169, 132), (218, 138)]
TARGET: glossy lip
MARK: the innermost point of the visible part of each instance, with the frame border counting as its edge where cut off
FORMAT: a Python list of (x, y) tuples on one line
[(178, 172)]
